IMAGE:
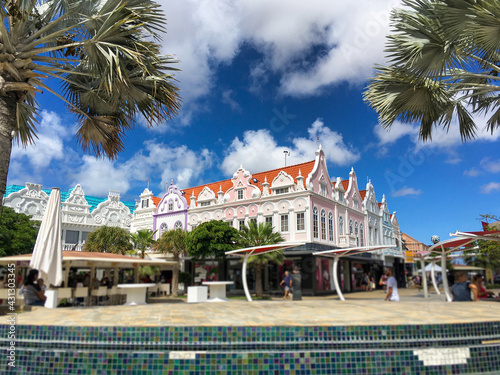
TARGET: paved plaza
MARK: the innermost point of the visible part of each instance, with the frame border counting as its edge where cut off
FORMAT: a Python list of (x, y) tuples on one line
[(362, 308)]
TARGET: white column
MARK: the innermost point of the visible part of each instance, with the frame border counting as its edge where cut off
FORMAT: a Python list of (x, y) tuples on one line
[(335, 279), (424, 278), (445, 279), (433, 277), (244, 278)]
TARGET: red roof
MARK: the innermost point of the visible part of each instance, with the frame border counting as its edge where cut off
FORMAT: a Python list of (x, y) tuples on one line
[(379, 205), (225, 185), (345, 184), (363, 194), (156, 201)]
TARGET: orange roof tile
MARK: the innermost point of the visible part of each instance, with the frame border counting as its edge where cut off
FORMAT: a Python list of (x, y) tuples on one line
[(345, 184), (225, 185), (156, 201), (379, 205), (363, 194)]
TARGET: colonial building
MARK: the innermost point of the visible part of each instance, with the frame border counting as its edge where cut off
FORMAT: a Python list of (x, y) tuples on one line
[(81, 214), (304, 205)]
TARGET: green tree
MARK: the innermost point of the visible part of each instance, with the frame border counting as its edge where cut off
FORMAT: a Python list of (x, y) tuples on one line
[(105, 54), (108, 240), (444, 64), (17, 233), (259, 235), (212, 238), (172, 242), (142, 240)]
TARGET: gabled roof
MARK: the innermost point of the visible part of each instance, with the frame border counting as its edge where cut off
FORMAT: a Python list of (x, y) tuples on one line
[(91, 200), (225, 185), (345, 184)]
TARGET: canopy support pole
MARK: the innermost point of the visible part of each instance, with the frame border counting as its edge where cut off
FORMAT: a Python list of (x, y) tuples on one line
[(445, 278), (244, 278), (424, 278), (335, 279), (433, 276)]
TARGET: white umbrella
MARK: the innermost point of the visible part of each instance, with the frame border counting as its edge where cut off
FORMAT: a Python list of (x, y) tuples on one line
[(47, 253)]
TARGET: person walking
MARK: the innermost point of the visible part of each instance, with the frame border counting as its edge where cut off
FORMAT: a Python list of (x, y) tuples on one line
[(287, 283), (392, 287)]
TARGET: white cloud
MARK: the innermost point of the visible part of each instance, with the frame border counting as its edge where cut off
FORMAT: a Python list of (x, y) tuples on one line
[(227, 98), (473, 172), (205, 33), (183, 166), (259, 151), (491, 166), (397, 131), (48, 146), (491, 187), (98, 176), (406, 191)]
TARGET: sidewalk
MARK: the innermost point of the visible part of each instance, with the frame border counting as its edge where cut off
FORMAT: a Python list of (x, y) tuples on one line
[(363, 308)]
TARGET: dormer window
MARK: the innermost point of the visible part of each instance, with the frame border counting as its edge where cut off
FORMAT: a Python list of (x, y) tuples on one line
[(204, 204), (281, 191), (323, 190), (239, 195), (171, 206), (356, 204), (145, 203)]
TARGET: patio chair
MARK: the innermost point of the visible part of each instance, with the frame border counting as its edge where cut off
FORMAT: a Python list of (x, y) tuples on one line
[(4, 294), (113, 296), (164, 289), (100, 295), (64, 293), (82, 292)]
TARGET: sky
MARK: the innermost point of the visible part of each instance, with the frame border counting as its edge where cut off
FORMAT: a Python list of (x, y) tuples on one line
[(260, 77)]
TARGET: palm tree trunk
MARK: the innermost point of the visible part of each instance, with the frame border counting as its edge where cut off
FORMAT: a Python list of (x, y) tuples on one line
[(175, 278), (258, 281), (7, 125)]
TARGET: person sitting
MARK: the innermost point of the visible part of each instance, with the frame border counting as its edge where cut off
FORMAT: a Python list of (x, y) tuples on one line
[(462, 288), (33, 295), (482, 293)]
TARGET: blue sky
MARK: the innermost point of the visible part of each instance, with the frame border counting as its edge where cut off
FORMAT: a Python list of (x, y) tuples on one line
[(259, 78)]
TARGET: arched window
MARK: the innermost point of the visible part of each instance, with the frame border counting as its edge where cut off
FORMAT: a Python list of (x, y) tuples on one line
[(323, 225), (315, 222), (356, 233), (178, 225), (362, 234), (350, 226), (330, 227), (341, 226), (163, 228)]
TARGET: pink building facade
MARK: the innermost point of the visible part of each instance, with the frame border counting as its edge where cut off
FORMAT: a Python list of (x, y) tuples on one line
[(303, 204)]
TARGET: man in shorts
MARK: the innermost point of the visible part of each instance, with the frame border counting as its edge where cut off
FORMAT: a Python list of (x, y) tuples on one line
[(287, 282)]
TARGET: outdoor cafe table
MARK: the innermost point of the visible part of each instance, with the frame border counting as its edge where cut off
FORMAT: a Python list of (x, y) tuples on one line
[(136, 293), (217, 290)]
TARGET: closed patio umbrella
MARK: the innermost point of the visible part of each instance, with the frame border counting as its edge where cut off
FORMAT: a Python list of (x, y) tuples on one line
[(47, 253)]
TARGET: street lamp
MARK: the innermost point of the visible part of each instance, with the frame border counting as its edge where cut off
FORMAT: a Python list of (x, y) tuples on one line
[(287, 153)]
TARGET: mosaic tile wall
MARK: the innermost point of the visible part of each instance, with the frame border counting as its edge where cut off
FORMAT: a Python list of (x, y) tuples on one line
[(409, 349)]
